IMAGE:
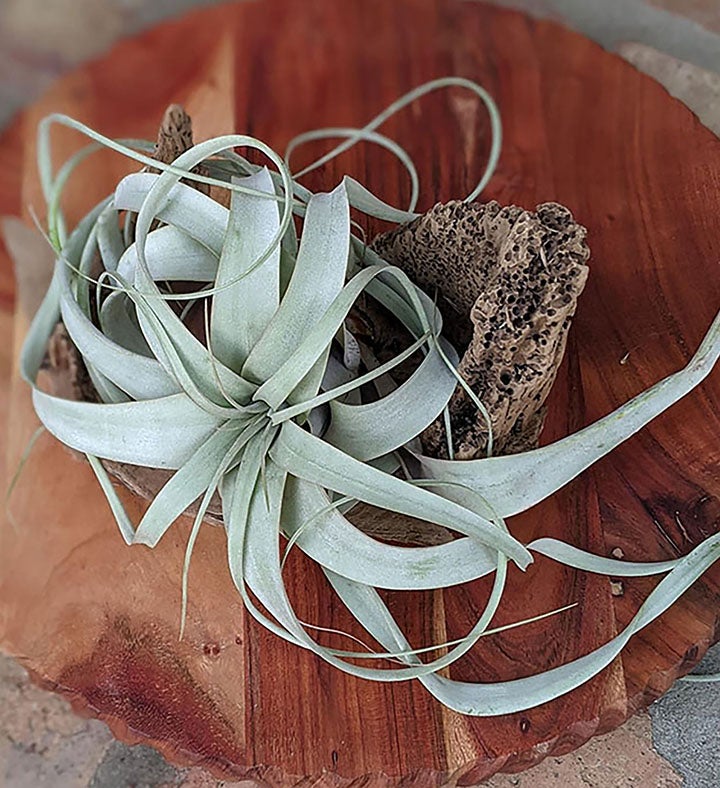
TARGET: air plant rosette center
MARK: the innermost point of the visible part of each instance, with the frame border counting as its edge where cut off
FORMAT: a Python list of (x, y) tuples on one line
[(269, 358)]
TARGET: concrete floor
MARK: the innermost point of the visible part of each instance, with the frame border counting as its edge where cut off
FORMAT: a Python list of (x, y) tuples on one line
[(678, 744)]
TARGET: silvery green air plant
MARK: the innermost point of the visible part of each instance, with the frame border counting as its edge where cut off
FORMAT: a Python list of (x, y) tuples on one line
[(245, 413)]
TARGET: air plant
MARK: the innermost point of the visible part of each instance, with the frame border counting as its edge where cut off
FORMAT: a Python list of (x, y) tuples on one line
[(264, 412)]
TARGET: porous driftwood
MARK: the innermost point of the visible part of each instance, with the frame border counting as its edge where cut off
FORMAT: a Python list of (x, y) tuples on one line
[(507, 282)]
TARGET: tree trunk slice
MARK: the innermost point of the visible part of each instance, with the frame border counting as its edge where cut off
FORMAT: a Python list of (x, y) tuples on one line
[(98, 621)]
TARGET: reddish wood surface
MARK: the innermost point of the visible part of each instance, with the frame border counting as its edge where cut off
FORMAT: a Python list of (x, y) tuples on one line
[(99, 621)]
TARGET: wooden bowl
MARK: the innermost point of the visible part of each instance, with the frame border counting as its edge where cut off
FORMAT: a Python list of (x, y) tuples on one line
[(98, 621)]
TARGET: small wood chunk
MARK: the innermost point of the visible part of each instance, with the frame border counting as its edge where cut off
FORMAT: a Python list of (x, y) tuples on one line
[(63, 369), (175, 137)]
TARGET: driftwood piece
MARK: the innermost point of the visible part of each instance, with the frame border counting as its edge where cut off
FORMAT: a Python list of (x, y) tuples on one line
[(175, 134), (98, 621), (174, 137), (507, 282)]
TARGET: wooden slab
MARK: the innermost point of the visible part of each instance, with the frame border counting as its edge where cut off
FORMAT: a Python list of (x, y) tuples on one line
[(98, 621)]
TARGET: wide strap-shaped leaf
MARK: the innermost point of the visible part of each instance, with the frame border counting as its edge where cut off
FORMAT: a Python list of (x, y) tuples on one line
[(172, 255), (43, 323), (209, 384), (318, 277), (413, 308), (185, 486), (516, 482), (569, 555), (205, 221), (163, 189), (261, 560), (109, 238), (105, 388), (310, 458), (45, 319), (138, 376), (238, 488), (264, 576), (243, 309), (119, 323), (334, 542), (196, 214), (369, 204), (344, 385), (376, 428), (237, 165), (262, 571), (141, 377), (316, 343), (125, 526), (158, 433), (508, 697), (184, 357), (82, 280)]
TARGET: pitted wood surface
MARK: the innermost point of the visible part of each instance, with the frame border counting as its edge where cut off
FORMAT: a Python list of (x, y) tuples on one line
[(507, 282)]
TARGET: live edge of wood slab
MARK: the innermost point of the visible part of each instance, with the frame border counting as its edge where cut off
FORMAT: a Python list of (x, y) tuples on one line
[(98, 621)]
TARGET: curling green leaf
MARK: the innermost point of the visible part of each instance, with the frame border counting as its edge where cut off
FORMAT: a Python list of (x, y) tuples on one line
[(185, 486), (141, 377), (160, 433), (117, 508), (172, 255), (263, 575), (335, 543), (516, 482), (119, 323), (43, 323), (105, 388), (317, 279), (109, 238), (366, 136), (368, 203), (379, 427), (241, 313), (186, 208), (309, 458), (508, 697)]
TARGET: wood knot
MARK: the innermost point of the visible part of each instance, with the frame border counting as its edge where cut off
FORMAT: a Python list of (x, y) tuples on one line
[(212, 650)]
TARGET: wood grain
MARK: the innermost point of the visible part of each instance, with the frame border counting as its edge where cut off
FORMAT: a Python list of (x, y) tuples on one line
[(98, 621)]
